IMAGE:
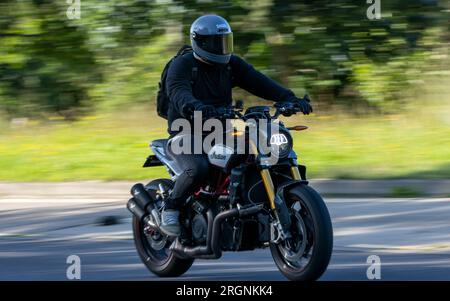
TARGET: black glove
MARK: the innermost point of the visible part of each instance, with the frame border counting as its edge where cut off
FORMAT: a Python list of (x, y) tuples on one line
[(208, 111), (287, 108), (303, 104)]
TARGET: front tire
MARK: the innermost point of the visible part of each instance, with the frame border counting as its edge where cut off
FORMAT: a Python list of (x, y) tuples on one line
[(306, 204)]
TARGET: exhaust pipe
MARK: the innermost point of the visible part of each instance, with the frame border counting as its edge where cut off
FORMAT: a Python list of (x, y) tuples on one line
[(221, 217), (141, 197), (141, 204), (212, 249), (198, 251), (134, 208)]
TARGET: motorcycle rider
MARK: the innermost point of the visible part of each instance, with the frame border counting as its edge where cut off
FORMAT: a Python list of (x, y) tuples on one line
[(218, 70)]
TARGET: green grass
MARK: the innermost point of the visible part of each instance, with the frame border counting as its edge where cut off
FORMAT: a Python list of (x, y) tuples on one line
[(402, 146), (113, 147), (405, 192)]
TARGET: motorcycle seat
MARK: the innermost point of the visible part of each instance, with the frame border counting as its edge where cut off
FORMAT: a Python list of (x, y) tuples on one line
[(160, 148)]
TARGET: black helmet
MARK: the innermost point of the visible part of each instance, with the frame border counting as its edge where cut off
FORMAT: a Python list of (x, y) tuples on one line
[(212, 39)]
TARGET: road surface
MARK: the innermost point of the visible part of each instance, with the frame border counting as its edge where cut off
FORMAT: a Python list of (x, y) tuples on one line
[(38, 233)]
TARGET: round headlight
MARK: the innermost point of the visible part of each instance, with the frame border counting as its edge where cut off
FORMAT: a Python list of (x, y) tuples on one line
[(281, 143)]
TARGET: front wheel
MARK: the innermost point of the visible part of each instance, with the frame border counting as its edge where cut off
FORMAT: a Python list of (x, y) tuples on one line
[(306, 255)]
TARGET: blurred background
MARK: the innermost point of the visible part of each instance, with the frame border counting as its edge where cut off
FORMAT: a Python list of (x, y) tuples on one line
[(77, 96), (77, 110)]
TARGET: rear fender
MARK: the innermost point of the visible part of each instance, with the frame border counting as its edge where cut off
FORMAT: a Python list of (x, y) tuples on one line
[(151, 161)]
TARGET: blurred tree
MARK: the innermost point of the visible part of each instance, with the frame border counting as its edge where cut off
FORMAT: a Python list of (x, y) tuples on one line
[(114, 53), (45, 63)]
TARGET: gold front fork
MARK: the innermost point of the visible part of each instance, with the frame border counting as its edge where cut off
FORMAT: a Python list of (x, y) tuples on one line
[(268, 184), (295, 173), (266, 178)]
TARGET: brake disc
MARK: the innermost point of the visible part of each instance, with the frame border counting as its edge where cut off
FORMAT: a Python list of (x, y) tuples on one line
[(293, 251), (156, 240)]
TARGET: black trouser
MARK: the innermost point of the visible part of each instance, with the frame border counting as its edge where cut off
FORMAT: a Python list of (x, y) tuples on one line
[(194, 172)]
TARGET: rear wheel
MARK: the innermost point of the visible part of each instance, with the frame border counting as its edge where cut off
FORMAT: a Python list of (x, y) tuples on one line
[(306, 255), (153, 246), (153, 249)]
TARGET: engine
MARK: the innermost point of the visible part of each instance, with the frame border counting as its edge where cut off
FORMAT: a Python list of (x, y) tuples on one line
[(199, 227), (236, 234)]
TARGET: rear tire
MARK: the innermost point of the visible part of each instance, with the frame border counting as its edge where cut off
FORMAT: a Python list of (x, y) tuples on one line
[(164, 266), (162, 263), (320, 236)]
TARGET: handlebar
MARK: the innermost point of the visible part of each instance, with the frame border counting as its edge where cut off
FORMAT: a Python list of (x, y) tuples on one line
[(228, 113), (285, 109)]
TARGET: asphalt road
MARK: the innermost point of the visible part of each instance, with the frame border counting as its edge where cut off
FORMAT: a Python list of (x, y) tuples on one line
[(38, 233)]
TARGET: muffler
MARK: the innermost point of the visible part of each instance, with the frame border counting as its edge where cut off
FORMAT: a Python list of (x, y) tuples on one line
[(141, 197), (141, 204), (134, 208)]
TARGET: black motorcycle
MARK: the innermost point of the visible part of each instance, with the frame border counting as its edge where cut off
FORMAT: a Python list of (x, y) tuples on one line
[(247, 203)]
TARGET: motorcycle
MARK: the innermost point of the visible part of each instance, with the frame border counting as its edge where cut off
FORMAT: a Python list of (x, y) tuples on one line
[(247, 203)]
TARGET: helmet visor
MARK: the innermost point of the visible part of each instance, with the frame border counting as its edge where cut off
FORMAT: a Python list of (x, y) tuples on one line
[(217, 44)]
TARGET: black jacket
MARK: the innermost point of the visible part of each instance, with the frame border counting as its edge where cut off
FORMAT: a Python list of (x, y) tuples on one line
[(213, 84)]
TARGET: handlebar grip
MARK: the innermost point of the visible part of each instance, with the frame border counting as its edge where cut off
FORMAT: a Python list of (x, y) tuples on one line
[(225, 113)]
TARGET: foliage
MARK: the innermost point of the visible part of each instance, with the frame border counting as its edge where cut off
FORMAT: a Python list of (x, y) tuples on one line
[(114, 54)]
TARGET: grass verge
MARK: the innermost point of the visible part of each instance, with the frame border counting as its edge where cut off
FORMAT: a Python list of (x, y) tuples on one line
[(113, 147)]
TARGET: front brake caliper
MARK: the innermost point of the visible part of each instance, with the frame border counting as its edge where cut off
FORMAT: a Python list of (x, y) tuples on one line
[(277, 234)]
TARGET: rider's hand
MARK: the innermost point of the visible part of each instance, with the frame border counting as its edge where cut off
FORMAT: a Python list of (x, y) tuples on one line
[(303, 104), (208, 111), (187, 110), (287, 108)]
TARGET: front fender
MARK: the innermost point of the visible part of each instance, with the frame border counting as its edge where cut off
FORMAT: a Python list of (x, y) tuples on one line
[(283, 188), (280, 201)]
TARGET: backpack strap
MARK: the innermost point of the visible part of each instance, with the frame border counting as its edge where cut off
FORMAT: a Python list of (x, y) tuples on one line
[(194, 74), (183, 50), (230, 72)]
